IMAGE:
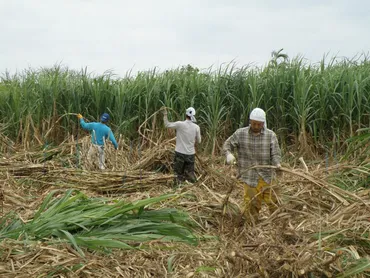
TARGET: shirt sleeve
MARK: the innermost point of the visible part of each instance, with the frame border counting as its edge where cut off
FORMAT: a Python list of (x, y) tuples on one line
[(113, 139), (87, 126), (231, 143), (275, 150), (198, 137), (169, 124)]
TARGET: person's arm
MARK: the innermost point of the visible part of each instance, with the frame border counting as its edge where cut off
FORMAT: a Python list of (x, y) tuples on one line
[(275, 151), (198, 137), (84, 125), (168, 123), (113, 139), (230, 144)]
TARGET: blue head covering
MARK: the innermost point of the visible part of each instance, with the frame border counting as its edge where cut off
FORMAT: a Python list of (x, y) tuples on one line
[(104, 118)]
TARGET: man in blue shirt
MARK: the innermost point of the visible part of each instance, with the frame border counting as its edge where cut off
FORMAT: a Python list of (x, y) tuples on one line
[(99, 133)]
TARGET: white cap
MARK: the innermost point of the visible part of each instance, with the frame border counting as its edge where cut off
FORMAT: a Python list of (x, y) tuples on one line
[(191, 112), (259, 115)]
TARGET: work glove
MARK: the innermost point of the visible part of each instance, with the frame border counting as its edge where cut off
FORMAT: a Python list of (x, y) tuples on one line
[(230, 159), (79, 116)]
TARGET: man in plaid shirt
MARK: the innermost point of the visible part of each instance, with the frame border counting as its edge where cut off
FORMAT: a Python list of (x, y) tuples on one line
[(255, 145)]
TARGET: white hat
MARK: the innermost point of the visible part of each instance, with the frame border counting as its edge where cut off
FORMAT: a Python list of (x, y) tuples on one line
[(259, 115), (191, 112)]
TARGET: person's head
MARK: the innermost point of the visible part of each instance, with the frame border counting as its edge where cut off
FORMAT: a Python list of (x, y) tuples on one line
[(257, 120), (190, 114), (104, 118)]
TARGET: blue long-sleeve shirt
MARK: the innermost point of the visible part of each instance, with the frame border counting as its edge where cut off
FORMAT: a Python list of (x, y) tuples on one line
[(99, 133)]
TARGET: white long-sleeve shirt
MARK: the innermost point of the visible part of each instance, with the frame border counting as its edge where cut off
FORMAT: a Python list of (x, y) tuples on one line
[(187, 133)]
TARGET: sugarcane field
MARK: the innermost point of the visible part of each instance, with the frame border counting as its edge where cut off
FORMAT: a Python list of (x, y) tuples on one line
[(146, 202)]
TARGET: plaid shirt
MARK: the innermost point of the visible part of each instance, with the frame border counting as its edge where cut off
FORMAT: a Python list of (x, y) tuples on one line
[(262, 149)]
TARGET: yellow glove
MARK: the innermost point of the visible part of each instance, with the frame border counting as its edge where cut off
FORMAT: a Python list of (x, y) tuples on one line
[(79, 116)]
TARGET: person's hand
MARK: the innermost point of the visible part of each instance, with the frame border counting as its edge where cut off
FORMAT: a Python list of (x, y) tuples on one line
[(230, 158), (164, 110), (79, 116)]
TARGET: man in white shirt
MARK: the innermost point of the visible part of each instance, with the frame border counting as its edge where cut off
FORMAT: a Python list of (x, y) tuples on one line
[(187, 134)]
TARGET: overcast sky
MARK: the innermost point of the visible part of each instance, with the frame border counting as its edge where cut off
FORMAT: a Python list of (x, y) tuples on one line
[(137, 35)]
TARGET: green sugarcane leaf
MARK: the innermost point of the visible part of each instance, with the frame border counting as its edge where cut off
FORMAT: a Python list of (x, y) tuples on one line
[(74, 243)]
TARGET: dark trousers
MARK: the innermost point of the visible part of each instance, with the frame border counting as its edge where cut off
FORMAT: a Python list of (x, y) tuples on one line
[(184, 167)]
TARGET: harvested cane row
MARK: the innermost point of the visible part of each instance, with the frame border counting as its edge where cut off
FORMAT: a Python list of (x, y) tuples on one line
[(318, 229)]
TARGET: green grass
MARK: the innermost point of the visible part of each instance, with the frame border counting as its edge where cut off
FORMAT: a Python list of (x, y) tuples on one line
[(97, 224)]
